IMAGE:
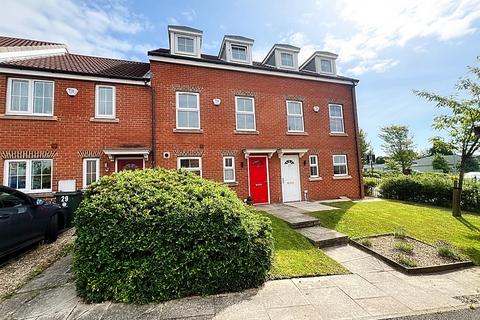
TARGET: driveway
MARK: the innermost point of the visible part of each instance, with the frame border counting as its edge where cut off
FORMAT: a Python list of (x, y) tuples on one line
[(372, 291)]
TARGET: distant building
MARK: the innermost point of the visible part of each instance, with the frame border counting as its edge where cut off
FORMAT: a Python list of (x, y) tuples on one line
[(425, 164)]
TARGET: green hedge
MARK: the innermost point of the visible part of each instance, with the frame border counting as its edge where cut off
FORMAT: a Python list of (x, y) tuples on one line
[(434, 189), (369, 183), (153, 235)]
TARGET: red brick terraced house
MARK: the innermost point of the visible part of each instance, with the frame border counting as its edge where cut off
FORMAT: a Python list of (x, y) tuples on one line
[(276, 130)]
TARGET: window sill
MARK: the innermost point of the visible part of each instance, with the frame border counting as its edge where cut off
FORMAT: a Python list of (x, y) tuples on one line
[(116, 120), (315, 179), (297, 134), (245, 132), (338, 134), (342, 177), (188, 130), (231, 184), (27, 117)]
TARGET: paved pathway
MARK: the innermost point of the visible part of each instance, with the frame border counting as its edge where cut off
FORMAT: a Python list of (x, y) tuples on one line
[(372, 291), (294, 213)]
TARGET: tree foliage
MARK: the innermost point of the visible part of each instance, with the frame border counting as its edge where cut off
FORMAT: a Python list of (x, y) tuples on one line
[(366, 146), (398, 145), (439, 146), (440, 163)]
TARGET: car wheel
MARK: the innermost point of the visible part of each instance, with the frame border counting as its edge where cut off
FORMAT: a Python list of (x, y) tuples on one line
[(52, 229)]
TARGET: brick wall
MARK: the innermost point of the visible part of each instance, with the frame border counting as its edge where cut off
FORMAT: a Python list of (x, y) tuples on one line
[(73, 133), (218, 125)]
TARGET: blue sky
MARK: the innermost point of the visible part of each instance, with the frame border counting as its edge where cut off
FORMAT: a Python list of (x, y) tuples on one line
[(393, 47)]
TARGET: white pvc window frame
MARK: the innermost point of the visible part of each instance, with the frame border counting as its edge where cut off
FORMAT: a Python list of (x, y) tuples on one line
[(191, 169), (228, 168), (342, 163), (237, 113), (179, 108), (313, 165), (295, 115), (177, 48), (97, 102), (334, 117), (28, 174), (86, 173), (30, 97)]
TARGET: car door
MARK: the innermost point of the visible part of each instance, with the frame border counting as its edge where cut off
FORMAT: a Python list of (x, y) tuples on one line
[(15, 220)]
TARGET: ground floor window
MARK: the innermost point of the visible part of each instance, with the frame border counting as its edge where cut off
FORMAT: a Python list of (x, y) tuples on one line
[(193, 164), (313, 159), (29, 175), (91, 171), (228, 169), (340, 165)]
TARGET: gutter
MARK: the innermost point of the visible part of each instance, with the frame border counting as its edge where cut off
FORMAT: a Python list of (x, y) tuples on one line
[(358, 153), (154, 121)]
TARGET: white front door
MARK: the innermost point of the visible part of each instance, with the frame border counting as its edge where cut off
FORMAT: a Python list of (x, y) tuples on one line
[(290, 178)]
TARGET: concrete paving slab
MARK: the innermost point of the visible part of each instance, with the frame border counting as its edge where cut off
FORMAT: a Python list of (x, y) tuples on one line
[(313, 283), (241, 306), (295, 313), (281, 293), (295, 217), (189, 307), (333, 303), (345, 253), (383, 306), (357, 287), (310, 206), (323, 237)]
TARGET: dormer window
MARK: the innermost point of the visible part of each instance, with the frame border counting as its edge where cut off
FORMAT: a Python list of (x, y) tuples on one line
[(185, 44), (282, 56), (287, 59), (236, 49), (239, 53), (185, 41), (326, 65)]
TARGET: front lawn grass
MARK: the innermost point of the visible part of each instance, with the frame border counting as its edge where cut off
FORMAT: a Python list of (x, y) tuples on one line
[(426, 223), (295, 256)]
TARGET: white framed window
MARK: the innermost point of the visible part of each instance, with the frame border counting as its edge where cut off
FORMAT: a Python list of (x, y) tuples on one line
[(185, 44), (326, 65), (228, 169), (91, 171), (295, 116), (105, 101), (239, 52), (29, 175), (313, 162), (336, 118), (340, 167), (188, 110), (286, 59), (245, 113), (30, 97), (192, 164)]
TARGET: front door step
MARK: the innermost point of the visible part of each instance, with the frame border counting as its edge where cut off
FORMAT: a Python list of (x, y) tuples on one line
[(292, 216), (323, 237)]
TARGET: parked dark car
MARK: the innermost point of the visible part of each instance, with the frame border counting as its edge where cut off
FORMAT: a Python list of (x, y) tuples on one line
[(25, 220)]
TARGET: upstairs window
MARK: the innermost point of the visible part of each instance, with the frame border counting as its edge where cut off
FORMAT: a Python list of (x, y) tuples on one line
[(340, 165), (245, 113), (294, 116), (192, 164), (29, 175), (228, 169), (188, 110), (286, 59), (336, 118), (30, 97), (313, 161), (105, 102), (239, 53), (326, 66), (185, 44)]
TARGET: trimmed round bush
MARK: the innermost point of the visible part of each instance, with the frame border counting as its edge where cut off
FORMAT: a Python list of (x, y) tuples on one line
[(154, 235)]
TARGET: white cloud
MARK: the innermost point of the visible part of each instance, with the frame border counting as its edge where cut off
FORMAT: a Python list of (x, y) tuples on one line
[(189, 15), (86, 28), (379, 25)]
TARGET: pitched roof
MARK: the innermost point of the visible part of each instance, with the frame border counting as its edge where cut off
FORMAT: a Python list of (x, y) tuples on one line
[(17, 42), (162, 52), (185, 28), (241, 38), (83, 65)]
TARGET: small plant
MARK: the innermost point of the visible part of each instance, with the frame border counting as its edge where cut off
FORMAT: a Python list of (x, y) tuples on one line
[(366, 242), (404, 246), (406, 261), (447, 250), (400, 232)]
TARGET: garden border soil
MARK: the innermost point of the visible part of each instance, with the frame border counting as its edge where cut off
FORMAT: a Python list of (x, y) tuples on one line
[(409, 270)]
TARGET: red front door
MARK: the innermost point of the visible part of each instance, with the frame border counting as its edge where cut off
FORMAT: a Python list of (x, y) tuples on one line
[(129, 164), (258, 179)]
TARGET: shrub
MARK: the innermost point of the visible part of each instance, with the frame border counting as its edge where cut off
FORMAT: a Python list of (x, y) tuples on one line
[(369, 184), (400, 232), (430, 188), (447, 250), (406, 261), (366, 242), (153, 235), (404, 246)]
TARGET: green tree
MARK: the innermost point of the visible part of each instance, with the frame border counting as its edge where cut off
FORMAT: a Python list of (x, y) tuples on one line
[(440, 163), (439, 146), (398, 145), (392, 165), (472, 165), (462, 114), (380, 160), (366, 146)]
